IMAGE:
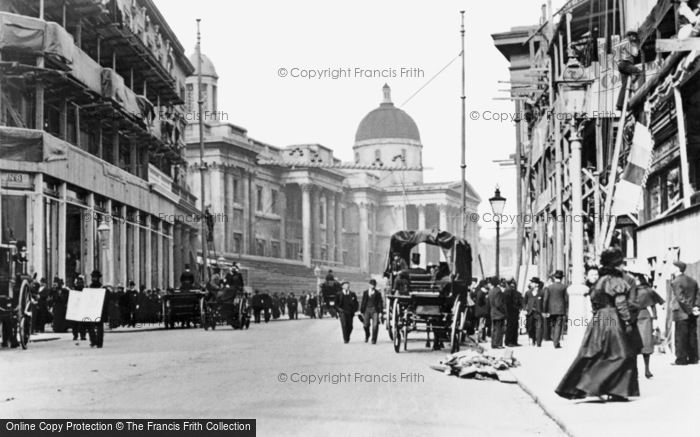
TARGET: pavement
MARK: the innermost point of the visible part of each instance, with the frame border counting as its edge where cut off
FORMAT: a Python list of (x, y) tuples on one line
[(294, 377), (668, 402)]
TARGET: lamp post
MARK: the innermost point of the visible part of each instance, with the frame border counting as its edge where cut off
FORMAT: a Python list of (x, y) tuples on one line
[(103, 233), (498, 202), (573, 92)]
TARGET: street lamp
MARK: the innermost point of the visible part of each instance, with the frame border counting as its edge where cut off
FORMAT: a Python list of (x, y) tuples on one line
[(497, 202)]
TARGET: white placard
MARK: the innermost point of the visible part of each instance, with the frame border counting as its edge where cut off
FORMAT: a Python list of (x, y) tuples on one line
[(86, 305)]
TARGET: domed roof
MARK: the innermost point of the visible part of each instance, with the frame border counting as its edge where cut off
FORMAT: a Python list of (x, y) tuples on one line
[(387, 121), (207, 66)]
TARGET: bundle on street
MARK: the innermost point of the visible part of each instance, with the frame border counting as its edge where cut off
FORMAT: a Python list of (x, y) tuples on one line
[(478, 364)]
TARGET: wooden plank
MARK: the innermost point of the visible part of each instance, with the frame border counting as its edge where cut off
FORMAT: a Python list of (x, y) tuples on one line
[(677, 45)]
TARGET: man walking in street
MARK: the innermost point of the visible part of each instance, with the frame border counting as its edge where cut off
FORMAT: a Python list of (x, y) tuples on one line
[(346, 303), (514, 303), (257, 304), (533, 308), (96, 327), (292, 304), (497, 309), (556, 306), (685, 304), (372, 307)]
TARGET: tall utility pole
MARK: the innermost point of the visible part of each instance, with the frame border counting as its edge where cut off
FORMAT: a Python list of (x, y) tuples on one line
[(202, 167), (464, 139)]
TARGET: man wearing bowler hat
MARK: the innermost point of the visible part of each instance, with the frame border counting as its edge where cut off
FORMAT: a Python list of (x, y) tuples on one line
[(346, 304), (556, 306), (371, 307)]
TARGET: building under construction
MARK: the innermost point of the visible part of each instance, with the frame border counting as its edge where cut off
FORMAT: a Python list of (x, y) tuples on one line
[(91, 142), (601, 163)]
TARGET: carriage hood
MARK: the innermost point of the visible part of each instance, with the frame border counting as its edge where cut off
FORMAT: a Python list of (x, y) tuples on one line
[(403, 242)]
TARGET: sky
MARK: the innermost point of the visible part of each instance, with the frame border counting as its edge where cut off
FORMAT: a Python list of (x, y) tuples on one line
[(249, 43)]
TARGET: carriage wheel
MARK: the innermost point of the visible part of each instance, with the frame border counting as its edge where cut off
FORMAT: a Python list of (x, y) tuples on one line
[(396, 327), (389, 325), (24, 320), (456, 328)]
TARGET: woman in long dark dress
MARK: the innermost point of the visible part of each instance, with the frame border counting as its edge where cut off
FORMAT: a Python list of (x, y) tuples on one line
[(646, 300), (607, 361)]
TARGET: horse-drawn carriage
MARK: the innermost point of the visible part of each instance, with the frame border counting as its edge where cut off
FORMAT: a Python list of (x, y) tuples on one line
[(433, 302), (227, 306), (17, 310), (182, 306), (326, 298)]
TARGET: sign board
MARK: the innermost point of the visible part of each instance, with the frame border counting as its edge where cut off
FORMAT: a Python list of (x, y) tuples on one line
[(86, 305), (16, 180), (677, 45)]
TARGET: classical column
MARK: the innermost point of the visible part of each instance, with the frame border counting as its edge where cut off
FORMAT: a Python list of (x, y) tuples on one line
[(339, 227), (230, 212), (421, 225), (176, 252), (62, 224), (281, 208), (171, 259), (121, 275), (36, 262), (364, 237), (89, 226), (160, 276), (149, 254), (186, 248), (218, 202), (107, 247), (137, 250), (331, 223), (248, 214), (316, 223), (306, 223)]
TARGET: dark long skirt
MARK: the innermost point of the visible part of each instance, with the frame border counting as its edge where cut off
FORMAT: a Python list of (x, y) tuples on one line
[(606, 363)]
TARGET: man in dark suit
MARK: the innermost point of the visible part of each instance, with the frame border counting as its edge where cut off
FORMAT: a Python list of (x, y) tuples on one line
[(497, 310), (346, 304), (556, 306), (685, 305), (514, 303), (371, 307), (533, 304), (292, 304), (257, 303)]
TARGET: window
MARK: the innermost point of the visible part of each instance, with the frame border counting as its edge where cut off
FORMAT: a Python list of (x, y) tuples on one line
[(213, 98), (357, 157), (259, 198), (342, 218), (663, 191), (377, 155), (274, 200), (403, 156), (189, 98), (236, 192), (275, 249), (260, 247), (237, 240)]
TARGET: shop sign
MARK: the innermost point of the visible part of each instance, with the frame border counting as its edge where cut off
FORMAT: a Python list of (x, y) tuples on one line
[(16, 180)]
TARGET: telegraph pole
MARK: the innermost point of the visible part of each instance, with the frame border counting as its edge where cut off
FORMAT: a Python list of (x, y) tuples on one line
[(202, 167), (463, 166)]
